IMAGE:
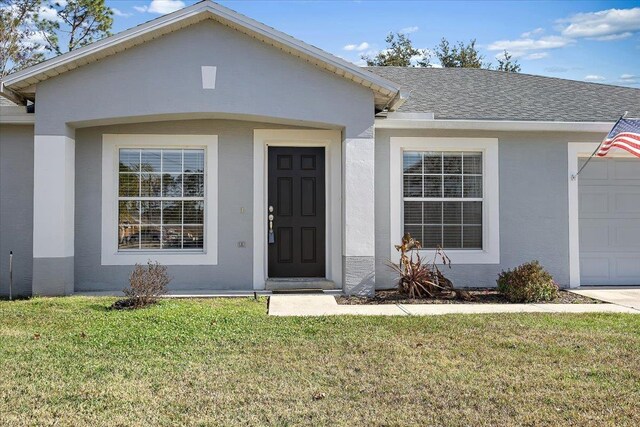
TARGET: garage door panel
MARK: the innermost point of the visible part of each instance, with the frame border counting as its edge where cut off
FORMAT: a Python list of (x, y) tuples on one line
[(626, 169), (594, 203), (627, 236), (627, 202), (594, 237), (594, 269), (609, 215), (627, 268)]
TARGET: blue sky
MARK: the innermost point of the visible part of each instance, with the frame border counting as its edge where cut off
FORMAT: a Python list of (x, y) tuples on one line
[(596, 41)]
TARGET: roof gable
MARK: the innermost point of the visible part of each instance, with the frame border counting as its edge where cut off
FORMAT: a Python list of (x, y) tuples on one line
[(20, 82)]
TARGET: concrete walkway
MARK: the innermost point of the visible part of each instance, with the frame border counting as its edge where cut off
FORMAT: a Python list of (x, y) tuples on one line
[(326, 305), (626, 297)]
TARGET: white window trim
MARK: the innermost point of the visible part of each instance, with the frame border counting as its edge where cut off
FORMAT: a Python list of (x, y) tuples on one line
[(490, 254), (111, 143), (576, 150), (331, 140)]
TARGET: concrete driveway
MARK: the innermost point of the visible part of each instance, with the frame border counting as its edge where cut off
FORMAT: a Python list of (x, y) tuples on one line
[(626, 297)]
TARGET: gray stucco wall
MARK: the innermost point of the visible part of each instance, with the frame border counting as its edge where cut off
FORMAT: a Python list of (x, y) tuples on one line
[(163, 76), (534, 222), (235, 191), (16, 207)]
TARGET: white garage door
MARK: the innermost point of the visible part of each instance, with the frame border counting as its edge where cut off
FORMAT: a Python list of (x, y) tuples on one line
[(609, 194)]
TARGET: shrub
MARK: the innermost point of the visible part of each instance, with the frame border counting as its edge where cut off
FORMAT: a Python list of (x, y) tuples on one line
[(529, 282), (419, 279), (146, 284)]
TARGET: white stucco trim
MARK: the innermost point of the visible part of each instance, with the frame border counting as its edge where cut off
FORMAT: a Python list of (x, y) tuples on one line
[(331, 140), (494, 125), (111, 143), (576, 150), (490, 254), (53, 196)]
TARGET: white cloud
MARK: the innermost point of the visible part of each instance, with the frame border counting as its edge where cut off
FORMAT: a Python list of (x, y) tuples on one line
[(529, 44), (627, 77), (593, 78), (557, 69), (603, 23), (532, 33), (161, 7), (611, 37), (357, 47), (118, 12), (409, 30), (536, 55), (48, 13)]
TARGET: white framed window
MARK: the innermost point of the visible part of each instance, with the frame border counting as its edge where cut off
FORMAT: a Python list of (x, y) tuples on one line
[(159, 199), (444, 192)]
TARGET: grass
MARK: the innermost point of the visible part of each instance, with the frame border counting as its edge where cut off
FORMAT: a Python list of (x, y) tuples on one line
[(70, 361)]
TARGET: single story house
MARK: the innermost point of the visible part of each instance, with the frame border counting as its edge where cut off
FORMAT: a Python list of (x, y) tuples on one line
[(245, 159)]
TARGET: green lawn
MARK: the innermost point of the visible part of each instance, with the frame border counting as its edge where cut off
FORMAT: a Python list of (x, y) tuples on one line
[(70, 361)]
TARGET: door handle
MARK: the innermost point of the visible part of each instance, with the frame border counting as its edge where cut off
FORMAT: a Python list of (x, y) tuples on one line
[(272, 238)]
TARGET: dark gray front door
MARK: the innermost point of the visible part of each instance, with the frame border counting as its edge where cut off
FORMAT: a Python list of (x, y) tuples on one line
[(296, 189)]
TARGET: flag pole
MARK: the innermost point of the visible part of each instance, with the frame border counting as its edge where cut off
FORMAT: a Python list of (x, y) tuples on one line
[(573, 177)]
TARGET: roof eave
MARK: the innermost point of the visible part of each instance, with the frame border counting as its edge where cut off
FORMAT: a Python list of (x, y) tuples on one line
[(495, 125)]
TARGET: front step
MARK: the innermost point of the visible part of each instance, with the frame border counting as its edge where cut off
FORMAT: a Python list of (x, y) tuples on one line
[(300, 283)]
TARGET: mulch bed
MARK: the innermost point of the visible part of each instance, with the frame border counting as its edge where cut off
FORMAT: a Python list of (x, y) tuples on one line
[(480, 296)]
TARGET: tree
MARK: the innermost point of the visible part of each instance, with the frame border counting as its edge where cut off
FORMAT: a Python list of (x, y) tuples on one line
[(19, 47), (399, 53), (80, 22), (460, 55), (506, 64)]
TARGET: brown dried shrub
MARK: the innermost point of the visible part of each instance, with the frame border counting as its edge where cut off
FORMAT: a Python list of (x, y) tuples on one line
[(146, 285), (421, 279)]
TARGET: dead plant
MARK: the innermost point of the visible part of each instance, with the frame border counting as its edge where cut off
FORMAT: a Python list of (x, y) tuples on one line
[(146, 285), (419, 278)]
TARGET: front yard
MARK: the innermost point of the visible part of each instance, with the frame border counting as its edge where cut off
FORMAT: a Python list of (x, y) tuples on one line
[(70, 361)]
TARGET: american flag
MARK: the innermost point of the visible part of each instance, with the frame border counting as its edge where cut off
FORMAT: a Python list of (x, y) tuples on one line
[(625, 135)]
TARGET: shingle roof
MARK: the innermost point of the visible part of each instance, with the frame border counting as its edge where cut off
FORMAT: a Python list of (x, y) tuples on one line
[(4, 102), (477, 94)]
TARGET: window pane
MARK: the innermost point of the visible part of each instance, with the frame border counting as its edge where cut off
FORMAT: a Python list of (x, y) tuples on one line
[(452, 213), (452, 186), (413, 212), (472, 237), (129, 160), (193, 237), (150, 185), (150, 212), (432, 186), (433, 213), (472, 213), (472, 186), (194, 185), (172, 161), (128, 237), (433, 162), (172, 185), (151, 161), (415, 231), (150, 237), (432, 236), (452, 163), (412, 186), (172, 212), (412, 162), (472, 163), (172, 237), (129, 185), (452, 237), (193, 212), (194, 161), (129, 212)]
